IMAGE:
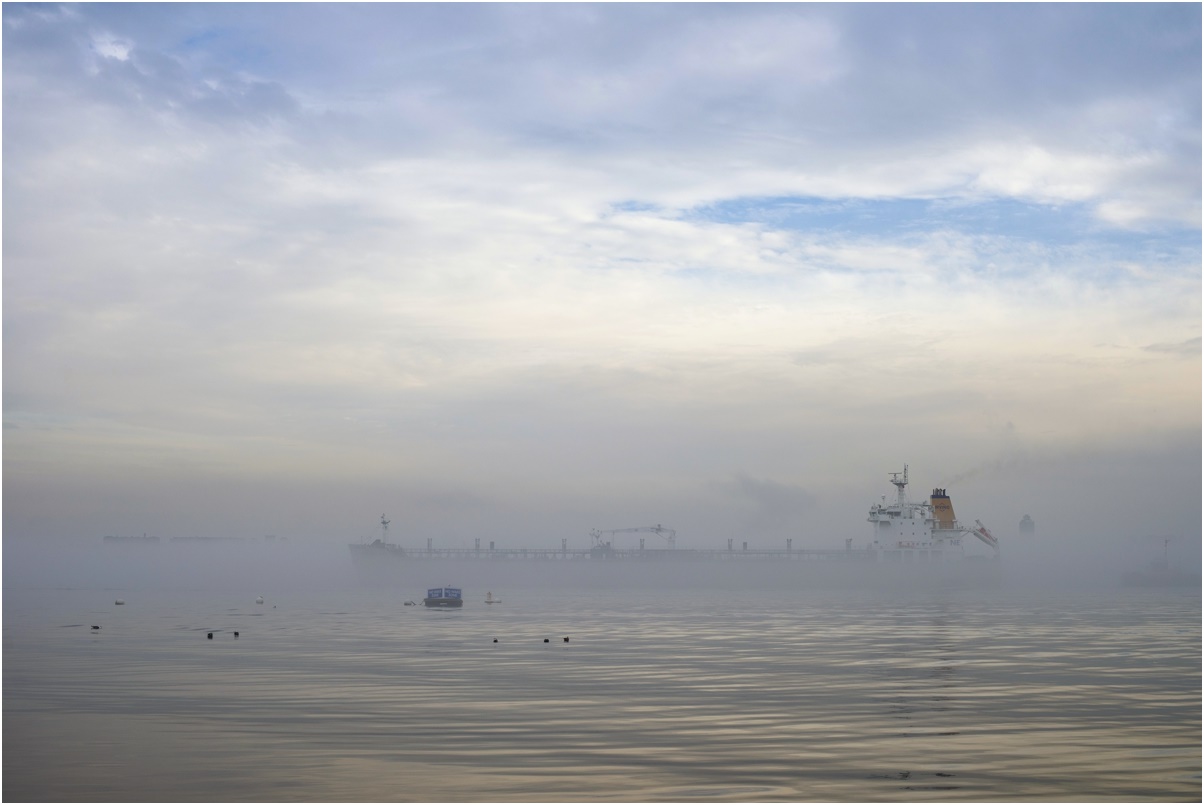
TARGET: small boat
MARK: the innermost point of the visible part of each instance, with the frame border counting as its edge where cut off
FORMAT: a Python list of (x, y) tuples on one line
[(489, 599), (408, 604), (120, 602), (443, 597)]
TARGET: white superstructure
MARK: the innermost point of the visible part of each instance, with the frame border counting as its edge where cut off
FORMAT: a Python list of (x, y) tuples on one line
[(928, 531)]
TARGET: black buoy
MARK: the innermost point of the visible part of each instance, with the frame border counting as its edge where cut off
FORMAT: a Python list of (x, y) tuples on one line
[(566, 640), (236, 635), (545, 640), (495, 640), (210, 635)]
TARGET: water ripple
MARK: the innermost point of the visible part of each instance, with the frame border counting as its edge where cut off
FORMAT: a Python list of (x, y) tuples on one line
[(796, 696)]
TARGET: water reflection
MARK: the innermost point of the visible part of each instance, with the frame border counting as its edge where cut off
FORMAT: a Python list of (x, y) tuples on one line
[(790, 696)]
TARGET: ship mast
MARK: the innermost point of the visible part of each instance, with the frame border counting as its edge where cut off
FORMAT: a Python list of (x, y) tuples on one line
[(901, 485), (384, 530)]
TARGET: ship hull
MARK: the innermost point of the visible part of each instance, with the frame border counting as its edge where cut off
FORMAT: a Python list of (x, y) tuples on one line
[(862, 572), (443, 603)]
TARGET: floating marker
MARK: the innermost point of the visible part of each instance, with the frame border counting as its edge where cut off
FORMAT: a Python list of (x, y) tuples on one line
[(259, 600), (95, 627), (495, 640), (545, 640), (210, 635), (566, 640), (236, 634)]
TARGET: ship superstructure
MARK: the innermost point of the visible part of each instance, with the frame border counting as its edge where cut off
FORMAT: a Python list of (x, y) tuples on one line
[(921, 531)]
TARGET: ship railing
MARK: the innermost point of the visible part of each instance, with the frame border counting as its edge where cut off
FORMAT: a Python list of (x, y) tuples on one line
[(642, 554)]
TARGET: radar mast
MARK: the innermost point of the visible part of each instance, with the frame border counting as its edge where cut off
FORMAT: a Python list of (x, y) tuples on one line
[(900, 484)]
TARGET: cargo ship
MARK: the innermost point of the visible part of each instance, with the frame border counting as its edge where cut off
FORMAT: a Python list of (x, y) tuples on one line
[(379, 547), (904, 531)]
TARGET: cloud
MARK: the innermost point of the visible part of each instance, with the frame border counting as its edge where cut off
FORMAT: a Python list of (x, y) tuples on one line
[(110, 48), (600, 253), (1188, 348)]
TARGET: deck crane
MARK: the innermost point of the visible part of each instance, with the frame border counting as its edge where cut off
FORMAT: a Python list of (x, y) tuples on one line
[(668, 534)]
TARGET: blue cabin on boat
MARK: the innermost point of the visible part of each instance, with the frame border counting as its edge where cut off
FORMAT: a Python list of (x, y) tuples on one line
[(443, 597)]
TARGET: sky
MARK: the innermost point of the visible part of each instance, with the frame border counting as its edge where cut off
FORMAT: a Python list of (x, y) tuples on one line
[(514, 272)]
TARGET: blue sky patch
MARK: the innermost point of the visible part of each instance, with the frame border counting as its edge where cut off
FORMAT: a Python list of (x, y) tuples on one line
[(1060, 225)]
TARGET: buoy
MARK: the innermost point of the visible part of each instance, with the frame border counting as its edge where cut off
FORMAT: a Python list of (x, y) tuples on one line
[(210, 635), (119, 601), (545, 640), (566, 640), (95, 627), (259, 600), (495, 640), (236, 634)]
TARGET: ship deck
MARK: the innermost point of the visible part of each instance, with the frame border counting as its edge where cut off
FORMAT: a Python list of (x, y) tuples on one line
[(625, 555)]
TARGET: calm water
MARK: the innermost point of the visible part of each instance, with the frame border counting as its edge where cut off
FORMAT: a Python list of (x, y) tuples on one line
[(675, 695)]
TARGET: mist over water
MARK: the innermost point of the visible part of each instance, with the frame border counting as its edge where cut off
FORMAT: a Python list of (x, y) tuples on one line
[(1043, 560), (525, 273), (704, 681)]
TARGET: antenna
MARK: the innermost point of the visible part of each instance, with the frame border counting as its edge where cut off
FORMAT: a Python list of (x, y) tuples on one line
[(901, 485)]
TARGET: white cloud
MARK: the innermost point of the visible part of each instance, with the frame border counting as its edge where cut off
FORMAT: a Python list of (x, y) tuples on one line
[(111, 47), (470, 272)]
